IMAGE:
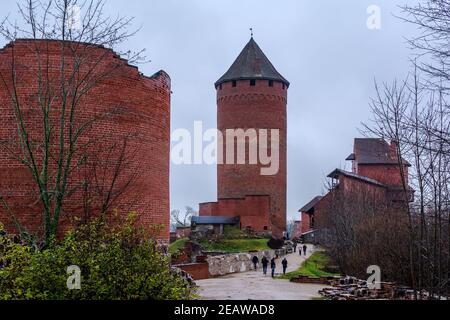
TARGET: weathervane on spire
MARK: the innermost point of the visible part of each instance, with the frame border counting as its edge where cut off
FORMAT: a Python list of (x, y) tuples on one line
[(251, 32)]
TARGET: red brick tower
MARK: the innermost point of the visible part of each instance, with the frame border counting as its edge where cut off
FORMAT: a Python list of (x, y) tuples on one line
[(253, 95), (143, 122)]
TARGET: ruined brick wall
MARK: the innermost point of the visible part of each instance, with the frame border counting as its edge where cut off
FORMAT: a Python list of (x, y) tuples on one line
[(259, 107), (198, 271), (131, 110), (254, 211)]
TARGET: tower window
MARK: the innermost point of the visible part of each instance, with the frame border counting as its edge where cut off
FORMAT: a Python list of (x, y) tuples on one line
[(252, 83), (220, 87), (234, 84), (284, 86), (270, 83)]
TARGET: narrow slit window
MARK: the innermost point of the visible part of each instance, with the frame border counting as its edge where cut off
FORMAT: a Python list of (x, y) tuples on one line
[(270, 83), (234, 84), (252, 83)]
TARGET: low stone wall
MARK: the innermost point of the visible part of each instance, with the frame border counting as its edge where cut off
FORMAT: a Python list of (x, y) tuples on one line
[(220, 265)]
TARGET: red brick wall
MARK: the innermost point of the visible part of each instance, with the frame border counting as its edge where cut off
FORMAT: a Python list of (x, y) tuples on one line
[(258, 107), (254, 211), (143, 120), (354, 186), (198, 271), (386, 174), (306, 225)]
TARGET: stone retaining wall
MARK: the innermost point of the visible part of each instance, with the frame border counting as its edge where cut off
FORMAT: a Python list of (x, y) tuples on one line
[(220, 265)]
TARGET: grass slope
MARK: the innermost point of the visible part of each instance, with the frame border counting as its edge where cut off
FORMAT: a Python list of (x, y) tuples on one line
[(177, 245), (313, 267), (235, 245)]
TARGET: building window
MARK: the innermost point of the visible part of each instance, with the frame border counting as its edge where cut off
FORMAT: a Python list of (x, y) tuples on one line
[(220, 87), (234, 84), (284, 86), (252, 83), (266, 228), (270, 83)]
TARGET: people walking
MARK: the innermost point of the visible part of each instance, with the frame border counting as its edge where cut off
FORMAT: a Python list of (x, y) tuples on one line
[(305, 248), (255, 261), (265, 263), (273, 267), (295, 247), (300, 251), (285, 265)]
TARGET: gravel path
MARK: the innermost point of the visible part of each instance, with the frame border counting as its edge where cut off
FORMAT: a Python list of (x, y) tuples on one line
[(254, 285)]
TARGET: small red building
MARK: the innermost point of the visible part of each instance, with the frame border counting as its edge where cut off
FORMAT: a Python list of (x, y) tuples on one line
[(375, 172)]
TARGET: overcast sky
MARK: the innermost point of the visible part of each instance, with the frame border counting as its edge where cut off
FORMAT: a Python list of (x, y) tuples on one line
[(323, 47)]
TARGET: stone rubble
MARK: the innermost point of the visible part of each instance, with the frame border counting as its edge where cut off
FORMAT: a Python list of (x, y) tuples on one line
[(351, 288)]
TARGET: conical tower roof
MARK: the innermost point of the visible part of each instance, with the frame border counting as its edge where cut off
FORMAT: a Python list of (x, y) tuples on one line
[(252, 64)]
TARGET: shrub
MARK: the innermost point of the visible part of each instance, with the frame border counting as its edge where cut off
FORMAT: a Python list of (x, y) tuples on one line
[(117, 263)]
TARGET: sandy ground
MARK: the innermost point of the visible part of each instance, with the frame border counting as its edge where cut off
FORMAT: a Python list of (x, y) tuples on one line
[(254, 285)]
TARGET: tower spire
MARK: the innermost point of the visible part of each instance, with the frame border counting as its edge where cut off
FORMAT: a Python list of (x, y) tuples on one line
[(252, 64)]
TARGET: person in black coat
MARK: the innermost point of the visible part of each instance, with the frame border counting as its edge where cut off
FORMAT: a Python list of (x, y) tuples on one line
[(255, 261), (305, 248), (285, 265), (273, 267), (264, 263)]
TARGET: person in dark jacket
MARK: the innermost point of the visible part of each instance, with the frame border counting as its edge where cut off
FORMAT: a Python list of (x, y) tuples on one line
[(305, 248), (295, 247), (285, 265), (273, 267), (265, 263), (255, 261)]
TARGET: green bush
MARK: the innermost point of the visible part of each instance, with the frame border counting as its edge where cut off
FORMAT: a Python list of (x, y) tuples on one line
[(117, 263)]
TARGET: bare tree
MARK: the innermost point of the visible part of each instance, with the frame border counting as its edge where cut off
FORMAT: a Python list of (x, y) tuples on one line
[(182, 219)]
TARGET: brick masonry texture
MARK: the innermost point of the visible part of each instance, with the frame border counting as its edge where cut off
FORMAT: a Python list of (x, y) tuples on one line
[(254, 211), (138, 109), (260, 107)]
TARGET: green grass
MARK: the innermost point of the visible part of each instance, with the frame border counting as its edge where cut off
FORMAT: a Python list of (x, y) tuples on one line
[(313, 267), (177, 245), (230, 232), (235, 245)]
